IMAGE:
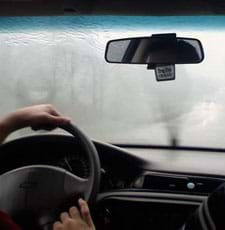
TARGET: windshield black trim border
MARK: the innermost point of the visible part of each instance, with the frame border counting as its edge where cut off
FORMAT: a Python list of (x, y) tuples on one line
[(165, 147)]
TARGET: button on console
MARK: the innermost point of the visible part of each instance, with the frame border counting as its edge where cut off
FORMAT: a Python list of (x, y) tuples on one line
[(191, 185)]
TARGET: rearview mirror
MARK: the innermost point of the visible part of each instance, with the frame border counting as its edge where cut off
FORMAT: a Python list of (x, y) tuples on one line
[(154, 50)]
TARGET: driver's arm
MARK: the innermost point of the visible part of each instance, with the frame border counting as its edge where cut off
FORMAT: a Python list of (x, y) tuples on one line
[(37, 117), (75, 219)]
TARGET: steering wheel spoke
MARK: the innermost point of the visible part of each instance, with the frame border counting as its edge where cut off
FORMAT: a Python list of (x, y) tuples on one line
[(77, 186)]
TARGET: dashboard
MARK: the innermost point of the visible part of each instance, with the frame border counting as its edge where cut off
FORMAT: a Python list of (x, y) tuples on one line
[(139, 189)]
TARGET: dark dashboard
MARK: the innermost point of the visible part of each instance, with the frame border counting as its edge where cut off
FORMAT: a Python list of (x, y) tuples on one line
[(132, 191), (118, 171)]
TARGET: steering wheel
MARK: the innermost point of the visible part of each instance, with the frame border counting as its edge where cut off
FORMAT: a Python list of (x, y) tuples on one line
[(41, 189)]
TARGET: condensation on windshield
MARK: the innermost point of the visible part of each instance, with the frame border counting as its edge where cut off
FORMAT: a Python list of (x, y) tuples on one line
[(61, 61)]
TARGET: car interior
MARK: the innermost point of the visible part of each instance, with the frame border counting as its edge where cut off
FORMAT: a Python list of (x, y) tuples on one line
[(128, 184)]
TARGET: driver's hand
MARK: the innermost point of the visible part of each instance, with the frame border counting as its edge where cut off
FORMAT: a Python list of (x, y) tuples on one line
[(37, 117), (75, 219), (42, 117)]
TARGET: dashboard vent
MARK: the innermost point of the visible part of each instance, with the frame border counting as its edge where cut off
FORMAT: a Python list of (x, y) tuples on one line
[(177, 183)]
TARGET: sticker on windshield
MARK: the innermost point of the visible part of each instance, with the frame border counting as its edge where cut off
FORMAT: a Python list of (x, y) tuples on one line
[(165, 72)]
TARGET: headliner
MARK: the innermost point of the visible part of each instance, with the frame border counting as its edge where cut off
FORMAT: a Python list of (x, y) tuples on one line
[(107, 7)]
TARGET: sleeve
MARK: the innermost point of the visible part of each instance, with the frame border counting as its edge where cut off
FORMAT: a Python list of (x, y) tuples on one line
[(7, 223)]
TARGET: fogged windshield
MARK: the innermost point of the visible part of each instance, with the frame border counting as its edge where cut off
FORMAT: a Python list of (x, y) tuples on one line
[(60, 60)]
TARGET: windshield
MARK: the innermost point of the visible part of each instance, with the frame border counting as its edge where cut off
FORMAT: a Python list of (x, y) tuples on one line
[(60, 60)]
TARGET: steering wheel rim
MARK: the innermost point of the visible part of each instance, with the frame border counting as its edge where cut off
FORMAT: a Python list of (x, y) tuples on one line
[(53, 173), (92, 154)]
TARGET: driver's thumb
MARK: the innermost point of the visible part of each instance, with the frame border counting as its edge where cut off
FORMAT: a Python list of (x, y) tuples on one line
[(85, 212)]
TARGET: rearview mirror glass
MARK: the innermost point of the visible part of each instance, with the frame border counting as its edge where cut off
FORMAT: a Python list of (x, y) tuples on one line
[(154, 50)]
